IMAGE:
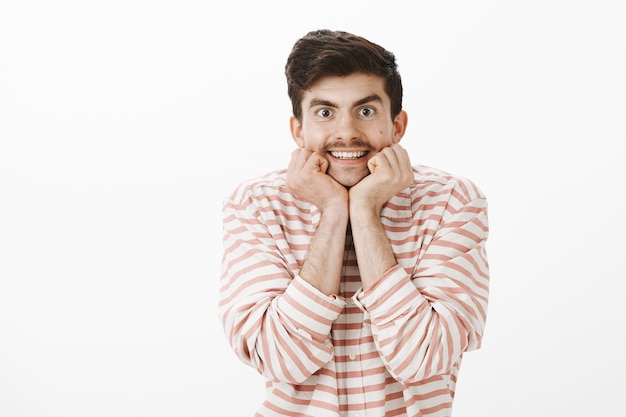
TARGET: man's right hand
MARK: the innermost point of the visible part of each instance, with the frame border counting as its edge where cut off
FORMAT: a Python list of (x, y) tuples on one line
[(307, 179)]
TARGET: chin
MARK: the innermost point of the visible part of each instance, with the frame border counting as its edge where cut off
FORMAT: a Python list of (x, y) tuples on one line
[(349, 179)]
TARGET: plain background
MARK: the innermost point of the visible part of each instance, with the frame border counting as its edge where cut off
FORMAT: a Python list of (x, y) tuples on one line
[(123, 125)]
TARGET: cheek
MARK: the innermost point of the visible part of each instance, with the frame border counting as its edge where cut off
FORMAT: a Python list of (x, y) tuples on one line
[(313, 139), (385, 136)]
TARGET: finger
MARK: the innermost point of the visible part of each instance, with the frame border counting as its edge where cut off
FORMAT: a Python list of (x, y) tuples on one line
[(372, 164), (380, 161), (394, 157), (402, 162), (399, 160), (404, 165), (299, 158), (403, 155), (294, 158), (317, 162)]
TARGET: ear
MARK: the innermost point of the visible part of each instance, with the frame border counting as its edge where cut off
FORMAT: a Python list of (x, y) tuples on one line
[(296, 131), (399, 126)]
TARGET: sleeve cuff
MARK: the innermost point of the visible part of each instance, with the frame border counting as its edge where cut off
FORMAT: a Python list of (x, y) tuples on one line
[(392, 295), (310, 311)]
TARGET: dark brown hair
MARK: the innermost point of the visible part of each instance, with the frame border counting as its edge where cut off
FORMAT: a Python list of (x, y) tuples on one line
[(323, 53)]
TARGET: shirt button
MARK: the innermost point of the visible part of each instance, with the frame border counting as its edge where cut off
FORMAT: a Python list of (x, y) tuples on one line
[(356, 415), (353, 357)]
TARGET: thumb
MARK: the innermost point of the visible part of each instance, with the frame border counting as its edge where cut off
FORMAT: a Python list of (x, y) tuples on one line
[(322, 163), (372, 164)]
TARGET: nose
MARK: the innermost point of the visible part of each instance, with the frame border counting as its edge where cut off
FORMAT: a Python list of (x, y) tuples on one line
[(346, 128)]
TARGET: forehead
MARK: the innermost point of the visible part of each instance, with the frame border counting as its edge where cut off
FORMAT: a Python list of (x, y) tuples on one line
[(346, 90)]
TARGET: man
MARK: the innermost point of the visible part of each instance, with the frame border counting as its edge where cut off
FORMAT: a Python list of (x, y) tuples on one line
[(352, 280)]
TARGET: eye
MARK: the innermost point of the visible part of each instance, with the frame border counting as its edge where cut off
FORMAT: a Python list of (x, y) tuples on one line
[(367, 111), (324, 113)]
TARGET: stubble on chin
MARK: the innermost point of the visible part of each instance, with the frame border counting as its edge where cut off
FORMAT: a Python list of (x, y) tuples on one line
[(348, 178)]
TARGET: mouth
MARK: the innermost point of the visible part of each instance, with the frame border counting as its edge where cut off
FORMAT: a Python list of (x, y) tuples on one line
[(344, 155)]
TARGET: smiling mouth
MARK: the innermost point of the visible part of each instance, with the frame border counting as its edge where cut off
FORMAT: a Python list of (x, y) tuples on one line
[(347, 155)]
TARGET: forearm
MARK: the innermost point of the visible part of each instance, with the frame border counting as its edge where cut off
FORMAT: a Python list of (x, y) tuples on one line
[(285, 337), (324, 258), (274, 320), (429, 326), (438, 311), (373, 250)]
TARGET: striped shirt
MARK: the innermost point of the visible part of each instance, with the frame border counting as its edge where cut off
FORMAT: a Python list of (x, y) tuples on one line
[(393, 350)]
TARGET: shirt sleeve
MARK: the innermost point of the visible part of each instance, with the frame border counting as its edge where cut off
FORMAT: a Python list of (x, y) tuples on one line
[(272, 318), (424, 319)]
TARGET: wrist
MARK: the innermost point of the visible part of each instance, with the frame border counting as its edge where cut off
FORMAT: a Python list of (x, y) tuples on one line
[(363, 212), (335, 207)]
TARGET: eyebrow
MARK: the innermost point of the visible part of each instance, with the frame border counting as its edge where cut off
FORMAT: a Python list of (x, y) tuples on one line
[(321, 102)]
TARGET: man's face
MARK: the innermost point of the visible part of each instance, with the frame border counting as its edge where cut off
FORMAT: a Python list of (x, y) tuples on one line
[(347, 120)]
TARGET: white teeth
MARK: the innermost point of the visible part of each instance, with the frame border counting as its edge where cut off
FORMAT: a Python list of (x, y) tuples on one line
[(348, 155)]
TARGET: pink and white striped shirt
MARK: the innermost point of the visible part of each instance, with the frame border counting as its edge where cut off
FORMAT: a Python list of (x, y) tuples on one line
[(393, 350)]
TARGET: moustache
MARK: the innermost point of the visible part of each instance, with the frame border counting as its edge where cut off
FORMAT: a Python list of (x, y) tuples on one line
[(338, 146)]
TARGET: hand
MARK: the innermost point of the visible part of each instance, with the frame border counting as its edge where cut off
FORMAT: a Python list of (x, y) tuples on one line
[(390, 173), (307, 179)]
